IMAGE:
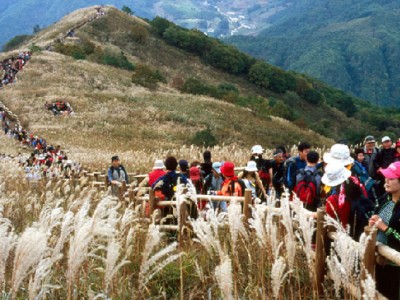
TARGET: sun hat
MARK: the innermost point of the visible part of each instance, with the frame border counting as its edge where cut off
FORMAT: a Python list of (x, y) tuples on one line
[(217, 167), (339, 154), (158, 165), (194, 173), (257, 149), (393, 171), (386, 139), (369, 139), (228, 169), (251, 166), (335, 174)]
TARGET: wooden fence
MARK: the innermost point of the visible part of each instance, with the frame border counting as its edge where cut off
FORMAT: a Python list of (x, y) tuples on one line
[(324, 233)]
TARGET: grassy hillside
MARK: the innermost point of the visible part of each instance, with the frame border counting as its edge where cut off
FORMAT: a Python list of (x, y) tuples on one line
[(116, 115), (352, 46)]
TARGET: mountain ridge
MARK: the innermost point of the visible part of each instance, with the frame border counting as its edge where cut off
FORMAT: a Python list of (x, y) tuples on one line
[(170, 114)]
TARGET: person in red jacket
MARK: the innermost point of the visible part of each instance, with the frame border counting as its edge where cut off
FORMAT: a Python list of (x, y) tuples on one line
[(158, 171)]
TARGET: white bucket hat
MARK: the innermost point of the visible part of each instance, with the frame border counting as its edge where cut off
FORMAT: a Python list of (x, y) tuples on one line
[(251, 166), (158, 165), (335, 174), (257, 149), (339, 154)]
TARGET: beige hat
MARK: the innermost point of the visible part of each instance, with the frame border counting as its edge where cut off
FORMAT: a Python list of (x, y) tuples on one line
[(251, 166), (158, 165), (339, 154), (335, 174)]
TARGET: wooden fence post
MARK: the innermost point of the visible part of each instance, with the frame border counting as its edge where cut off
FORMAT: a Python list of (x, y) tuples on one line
[(320, 251), (368, 265), (152, 203), (246, 205), (122, 190), (182, 226)]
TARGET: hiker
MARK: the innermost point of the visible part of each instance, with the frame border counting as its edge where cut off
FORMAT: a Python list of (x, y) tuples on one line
[(252, 180), (206, 166), (117, 174), (359, 169), (308, 183), (387, 220), (198, 183), (385, 155), (370, 153), (294, 164), (349, 202), (276, 172), (262, 167), (165, 186), (158, 171), (184, 168), (213, 183), (232, 185), (397, 155)]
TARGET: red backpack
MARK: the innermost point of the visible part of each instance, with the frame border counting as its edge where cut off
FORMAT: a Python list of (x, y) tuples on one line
[(306, 188)]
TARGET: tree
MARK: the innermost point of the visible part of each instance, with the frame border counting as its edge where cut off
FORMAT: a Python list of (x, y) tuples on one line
[(36, 29), (127, 10)]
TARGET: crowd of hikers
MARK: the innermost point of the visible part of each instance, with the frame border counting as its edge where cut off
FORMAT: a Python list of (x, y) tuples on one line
[(59, 108), (11, 66), (358, 188), (45, 160)]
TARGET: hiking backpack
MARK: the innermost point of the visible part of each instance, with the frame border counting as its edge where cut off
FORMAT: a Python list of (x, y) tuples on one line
[(306, 188)]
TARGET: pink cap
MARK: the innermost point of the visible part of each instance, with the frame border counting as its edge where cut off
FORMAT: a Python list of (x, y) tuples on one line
[(393, 171)]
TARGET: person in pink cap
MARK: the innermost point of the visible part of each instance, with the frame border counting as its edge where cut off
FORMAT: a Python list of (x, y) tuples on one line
[(387, 220)]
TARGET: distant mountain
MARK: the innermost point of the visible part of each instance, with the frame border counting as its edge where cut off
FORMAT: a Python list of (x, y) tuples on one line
[(215, 17), (198, 89), (352, 45)]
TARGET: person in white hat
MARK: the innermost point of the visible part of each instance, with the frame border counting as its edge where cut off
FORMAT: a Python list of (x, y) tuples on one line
[(252, 180), (386, 155), (263, 167), (339, 154), (349, 202)]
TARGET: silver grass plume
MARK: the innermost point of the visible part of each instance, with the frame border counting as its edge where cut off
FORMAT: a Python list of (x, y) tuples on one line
[(369, 288), (236, 225), (30, 248), (8, 239), (278, 275), (223, 274)]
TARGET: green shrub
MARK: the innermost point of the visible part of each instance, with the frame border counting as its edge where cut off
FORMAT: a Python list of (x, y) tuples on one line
[(147, 77), (118, 61), (34, 48), (160, 25), (204, 138), (282, 110), (15, 42)]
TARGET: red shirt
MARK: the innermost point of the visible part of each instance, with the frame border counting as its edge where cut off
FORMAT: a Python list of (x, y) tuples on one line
[(154, 175)]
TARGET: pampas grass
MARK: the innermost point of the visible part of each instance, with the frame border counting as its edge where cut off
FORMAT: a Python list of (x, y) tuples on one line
[(30, 249)]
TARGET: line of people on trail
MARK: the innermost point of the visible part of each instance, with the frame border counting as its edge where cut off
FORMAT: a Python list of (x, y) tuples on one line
[(11, 66), (59, 108)]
